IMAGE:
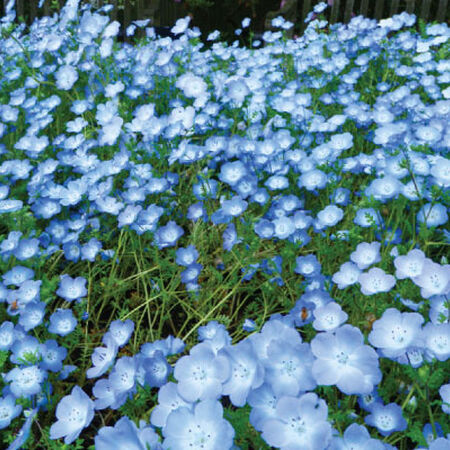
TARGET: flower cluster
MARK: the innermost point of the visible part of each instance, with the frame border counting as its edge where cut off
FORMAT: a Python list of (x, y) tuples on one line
[(302, 184)]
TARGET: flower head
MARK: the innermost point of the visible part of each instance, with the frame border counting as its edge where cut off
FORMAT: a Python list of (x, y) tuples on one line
[(74, 412)]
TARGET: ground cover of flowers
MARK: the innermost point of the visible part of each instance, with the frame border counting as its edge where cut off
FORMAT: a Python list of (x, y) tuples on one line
[(224, 247)]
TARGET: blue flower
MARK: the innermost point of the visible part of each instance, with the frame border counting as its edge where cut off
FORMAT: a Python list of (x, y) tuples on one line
[(232, 172), (437, 341), (125, 434), (71, 289), (434, 279), (308, 266), (246, 372), (343, 360), (62, 322), (25, 381), (356, 437), (329, 216), (329, 317), (66, 76), (104, 393), (120, 332), (74, 412), (186, 256), (299, 423), (6, 335), (288, 368), (202, 427), (376, 280), (52, 355), (157, 369), (27, 248), (444, 392), (123, 379), (17, 275), (230, 238), (191, 273), (200, 374), (234, 207), (347, 275), (366, 254), (395, 332), (103, 357), (409, 265), (8, 410), (386, 419), (25, 350), (168, 400), (32, 315), (24, 432), (168, 235)]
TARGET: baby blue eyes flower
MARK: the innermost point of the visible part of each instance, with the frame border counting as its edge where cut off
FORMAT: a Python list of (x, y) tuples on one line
[(329, 217), (365, 217), (434, 279), (157, 369), (181, 25), (312, 179), (347, 275), (444, 392), (186, 256), (410, 265), (62, 322), (396, 332), (343, 360), (201, 373), (52, 355), (437, 341), (375, 281), (71, 289), (366, 254), (191, 273), (8, 410), (433, 215), (204, 427), (74, 412), (168, 235), (329, 317), (17, 275), (6, 335), (103, 357), (356, 437), (308, 266), (66, 76), (288, 368), (126, 435), (25, 381), (386, 419), (232, 172), (299, 423), (120, 332)]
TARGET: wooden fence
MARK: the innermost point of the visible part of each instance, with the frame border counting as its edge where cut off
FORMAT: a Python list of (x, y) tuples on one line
[(165, 12)]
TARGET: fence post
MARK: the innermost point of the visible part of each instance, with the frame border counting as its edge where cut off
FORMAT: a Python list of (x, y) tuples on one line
[(364, 7), (32, 11), (394, 7), (441, 12), (114, 11), (379, 9), (425, 10), (334, 11), (348, 10), (305, 10), (410, 6), (19, 8)]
